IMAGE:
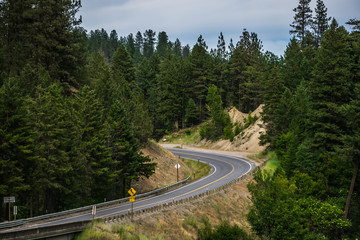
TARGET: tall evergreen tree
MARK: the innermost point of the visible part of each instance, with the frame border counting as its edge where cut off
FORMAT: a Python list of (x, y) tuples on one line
[(127, 163), (93, 156), (191, 113), (122, 66), (146, 75), (177, 48), (139, 42), (320, 21), (219, 118), (231, 47), (162, 44), (149, 43), (201, 73), (186, 51), (52, 140), (274, 88), (130, 45), (15, 143), (113, 42), (170, 105), (293, 72), (302, 19), (221, 47), (331, 87)]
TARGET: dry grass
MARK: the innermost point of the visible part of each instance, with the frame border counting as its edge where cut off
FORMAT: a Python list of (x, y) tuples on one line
[(182, 221)]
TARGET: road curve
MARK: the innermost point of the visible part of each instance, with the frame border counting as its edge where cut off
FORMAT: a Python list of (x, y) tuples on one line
[(225, 169)]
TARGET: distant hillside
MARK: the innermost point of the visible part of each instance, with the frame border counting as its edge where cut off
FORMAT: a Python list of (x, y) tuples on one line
[(246, 141)]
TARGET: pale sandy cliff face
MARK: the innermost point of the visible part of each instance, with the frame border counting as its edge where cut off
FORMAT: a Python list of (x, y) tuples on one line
[(248, 141)]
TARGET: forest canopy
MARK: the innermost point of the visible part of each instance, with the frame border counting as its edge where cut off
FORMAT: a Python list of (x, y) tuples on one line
[(76, 107)]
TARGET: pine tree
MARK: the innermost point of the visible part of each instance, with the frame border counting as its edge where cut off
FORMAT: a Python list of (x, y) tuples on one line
[(90, 151), (274, 88), (219, 118), (293, 72), (94, 41), (104, 44), (149, 43), (139, 48), (130, 45), (330, 87), (237, 66), (320, 21), (51, 147), (100, 79), (221, 47), (146, 75), (201, 73), (122, 66), (191, 113), (139, 42), (127, 163), (162, 44), (351, 139), (15, 143), (231, 47), (302, 19), (113, 42), (177, 48), (170, 105), (137, 111)]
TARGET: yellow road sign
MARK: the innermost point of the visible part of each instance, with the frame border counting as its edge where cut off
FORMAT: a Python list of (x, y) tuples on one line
[(132, 192), (132, 198)]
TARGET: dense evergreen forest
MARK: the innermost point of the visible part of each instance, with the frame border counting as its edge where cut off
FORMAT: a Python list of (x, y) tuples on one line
[(76, 107)]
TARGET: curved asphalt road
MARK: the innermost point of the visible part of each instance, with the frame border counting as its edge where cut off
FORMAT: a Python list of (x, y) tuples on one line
[(224, 170)]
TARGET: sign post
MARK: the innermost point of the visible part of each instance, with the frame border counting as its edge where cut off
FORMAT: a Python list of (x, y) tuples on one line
[(132, 200), (177, 166), (9, 200), (93, 211), (15, 212)]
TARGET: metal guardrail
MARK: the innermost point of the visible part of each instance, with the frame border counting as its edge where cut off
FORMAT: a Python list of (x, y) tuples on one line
[(67, 230), (12, 224), (87, 208)]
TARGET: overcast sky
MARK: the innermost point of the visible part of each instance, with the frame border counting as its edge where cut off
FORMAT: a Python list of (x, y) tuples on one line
[(187, 19)]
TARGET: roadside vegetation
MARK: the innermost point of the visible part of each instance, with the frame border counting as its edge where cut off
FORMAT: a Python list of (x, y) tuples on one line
[(186, 136), (199, 169)]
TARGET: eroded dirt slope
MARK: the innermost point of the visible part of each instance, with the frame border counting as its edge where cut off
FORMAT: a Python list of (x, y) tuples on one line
[(247, 141), (165, 172)]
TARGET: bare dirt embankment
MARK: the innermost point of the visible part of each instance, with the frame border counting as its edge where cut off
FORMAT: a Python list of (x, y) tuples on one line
[(247, 141), (165, 171)]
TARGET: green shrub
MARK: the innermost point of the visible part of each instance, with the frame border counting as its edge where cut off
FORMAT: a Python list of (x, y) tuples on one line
[(222, 232), (207, 131), (237, 130), (228, 133)]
